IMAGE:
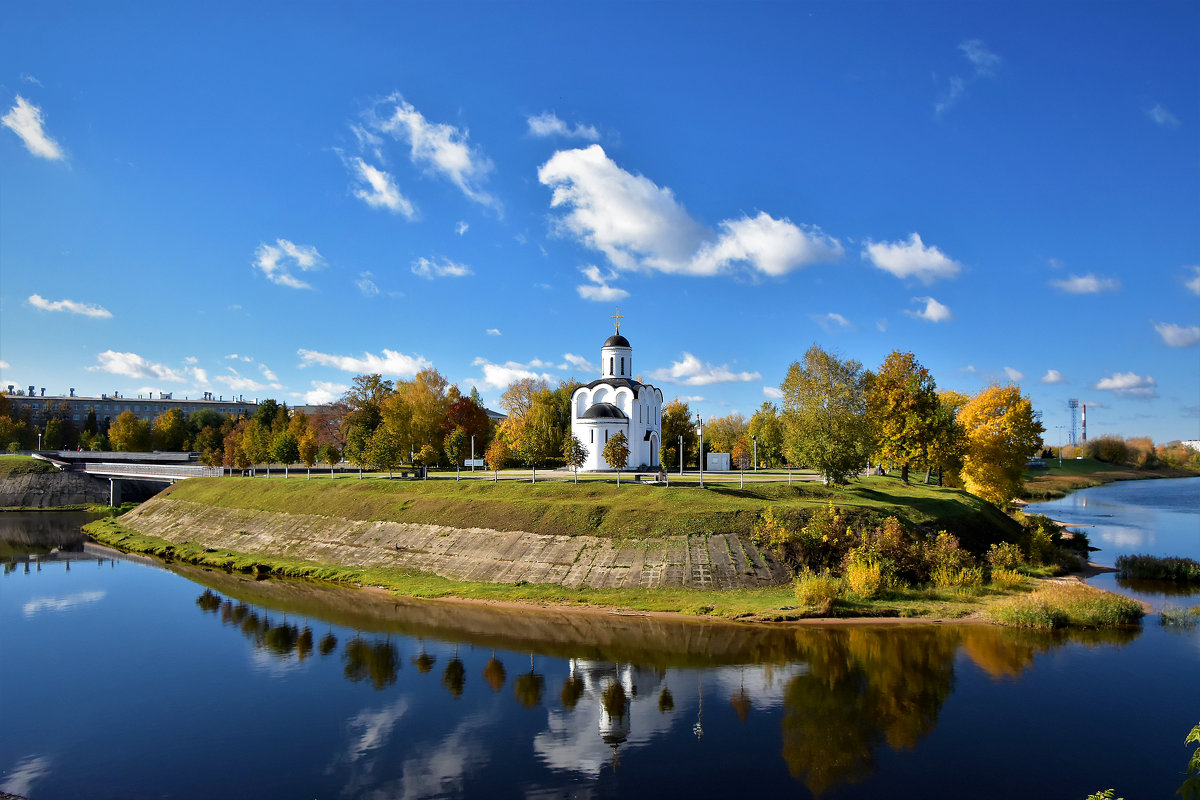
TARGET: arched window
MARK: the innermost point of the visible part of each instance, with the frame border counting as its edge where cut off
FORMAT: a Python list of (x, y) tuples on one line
[(622, 365), (610, 364)]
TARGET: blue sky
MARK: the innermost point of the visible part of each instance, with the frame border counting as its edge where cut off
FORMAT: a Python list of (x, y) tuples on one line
[(268, 199)]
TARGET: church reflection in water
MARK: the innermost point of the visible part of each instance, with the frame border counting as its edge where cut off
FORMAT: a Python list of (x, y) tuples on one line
[(829, 700)]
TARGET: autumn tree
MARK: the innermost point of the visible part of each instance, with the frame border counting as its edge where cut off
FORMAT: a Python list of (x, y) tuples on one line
[(824, 415), (766, 426), (455, 445), (330, 455), (383, 449), (308, 450), (129, 434), (1002, 431), (616, 453), (427, 398), (285, 449), (497, 455), (469, 415), (256, 442), (721, 434), (517, 398), (574, 453), (902, 406)]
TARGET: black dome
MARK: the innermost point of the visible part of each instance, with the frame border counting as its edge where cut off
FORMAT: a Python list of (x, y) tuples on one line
[(616, 340), (604, 411)]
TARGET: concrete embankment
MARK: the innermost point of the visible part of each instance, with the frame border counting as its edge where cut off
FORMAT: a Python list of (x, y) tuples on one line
[(710, 561), (52, 490)]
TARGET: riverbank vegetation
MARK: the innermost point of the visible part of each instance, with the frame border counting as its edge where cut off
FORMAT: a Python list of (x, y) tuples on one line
[(1066, 605), (1052, 479), (1157, 568)]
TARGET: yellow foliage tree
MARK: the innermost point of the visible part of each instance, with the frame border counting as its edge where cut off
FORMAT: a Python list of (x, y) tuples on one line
[(1002, 432)]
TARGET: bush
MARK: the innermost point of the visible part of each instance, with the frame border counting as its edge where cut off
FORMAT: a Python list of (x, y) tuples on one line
[(819, 545), (1183, 570), (1174, 617), (1006, 578), (863, 577), (1040, 539), (820, 590), (958, 577), (1006, 556)]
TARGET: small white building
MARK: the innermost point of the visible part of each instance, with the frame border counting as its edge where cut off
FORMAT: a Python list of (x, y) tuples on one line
[(617, 403)]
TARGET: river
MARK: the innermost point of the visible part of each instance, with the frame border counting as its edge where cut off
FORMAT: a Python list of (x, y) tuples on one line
[(125, 678)]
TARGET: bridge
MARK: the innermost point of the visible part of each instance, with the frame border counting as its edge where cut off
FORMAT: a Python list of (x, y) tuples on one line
[(116, 467)]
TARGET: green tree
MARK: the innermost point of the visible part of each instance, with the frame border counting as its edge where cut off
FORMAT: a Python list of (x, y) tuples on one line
[(90, 425), (721, 434), (358, 440), (902, 405), (129, 434), (330, 455), (256, 442), (457, 442), (383, 449), (824, 415), (1002, 432), (266, 412), (285, 449), (616, 453), (676, 422), (170, 431), (767, 427), (574, 453)]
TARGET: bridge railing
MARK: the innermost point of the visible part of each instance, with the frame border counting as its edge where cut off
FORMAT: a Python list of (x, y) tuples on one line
[(150, 470)]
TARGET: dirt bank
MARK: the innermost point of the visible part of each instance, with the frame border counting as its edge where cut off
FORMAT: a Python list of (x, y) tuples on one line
[(708, 561), (52, 490)]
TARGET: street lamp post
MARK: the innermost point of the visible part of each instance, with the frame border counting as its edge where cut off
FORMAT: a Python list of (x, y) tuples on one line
[(754, 439), (681, 455), (1060, 430), (39, 440), (700, 461), (472, 452)]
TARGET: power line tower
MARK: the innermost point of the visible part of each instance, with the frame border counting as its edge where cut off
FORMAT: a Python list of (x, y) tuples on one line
[(1073, 404)]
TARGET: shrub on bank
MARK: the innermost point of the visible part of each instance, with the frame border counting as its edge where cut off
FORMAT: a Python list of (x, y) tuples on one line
[(1183, 570), (1060, 605), (818, 589)]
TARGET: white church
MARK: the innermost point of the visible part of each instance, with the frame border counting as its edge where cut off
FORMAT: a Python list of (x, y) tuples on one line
[(618, 403)]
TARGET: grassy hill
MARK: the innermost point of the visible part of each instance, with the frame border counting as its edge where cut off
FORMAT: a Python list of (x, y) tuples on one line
[(23, 465), (603, 509), (1059, 480)]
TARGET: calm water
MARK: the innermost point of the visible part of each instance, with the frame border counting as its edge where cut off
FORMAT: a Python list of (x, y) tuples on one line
[(1158, 518), (123, 679)]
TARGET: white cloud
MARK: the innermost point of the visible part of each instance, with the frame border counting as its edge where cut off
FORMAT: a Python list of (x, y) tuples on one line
[(426, 268), (267, 373), (691, 372), (1177, 335), (5, 365), (984, 61), (954, 90), (21, 777), (640, 225), (200, 376), (65, 603), (599, 289), (933, 311), (493, 331), (27, 78), (831, 322), (380, 189), (500, 376), (438, 148), (1127, 384), (1194, 284), (365, 285), (461, 228), (236, 357), (1014, 375), (579, 363), (772, 246), (691, 398), (25, 120), (1053, 376), (1161, 117), (389, 362), (191, 360), (240, 383), (131, 365), (912, 259), (1087, 284), (324, 392), (773, 392), (276, 262), (83, 309), (548, 124)]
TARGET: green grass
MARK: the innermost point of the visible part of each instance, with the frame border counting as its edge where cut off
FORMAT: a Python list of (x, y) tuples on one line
[(1074, 474), (11, 465), (1174, 617), (600, 509), (1060, 605)]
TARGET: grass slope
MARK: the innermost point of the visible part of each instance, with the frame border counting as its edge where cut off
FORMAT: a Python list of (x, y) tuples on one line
[(11, 465), (601, 509)]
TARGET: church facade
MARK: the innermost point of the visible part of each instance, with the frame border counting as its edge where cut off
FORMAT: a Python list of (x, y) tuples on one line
[(618, 403)]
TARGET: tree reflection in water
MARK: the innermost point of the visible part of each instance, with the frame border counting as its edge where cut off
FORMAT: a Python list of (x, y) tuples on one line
[(377, 661), (528, 687), (455, 676), (494, 674)]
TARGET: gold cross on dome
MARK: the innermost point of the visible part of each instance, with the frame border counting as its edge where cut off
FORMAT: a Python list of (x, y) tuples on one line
[(618, 318)]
